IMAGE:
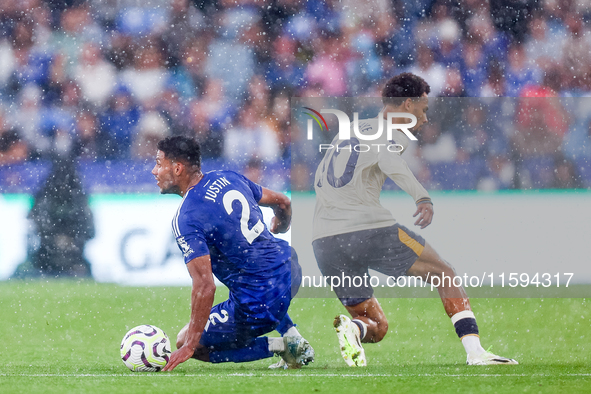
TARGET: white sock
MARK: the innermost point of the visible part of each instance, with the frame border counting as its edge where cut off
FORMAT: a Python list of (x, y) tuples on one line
[(292, 332), (472, 344), (276, 345), (363, 332), (467, 329)]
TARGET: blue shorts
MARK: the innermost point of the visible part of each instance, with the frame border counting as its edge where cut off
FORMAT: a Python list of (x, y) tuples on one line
[(230, 326)]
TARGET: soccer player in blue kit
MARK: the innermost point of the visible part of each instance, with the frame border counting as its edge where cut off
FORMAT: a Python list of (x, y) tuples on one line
[(220, 231)]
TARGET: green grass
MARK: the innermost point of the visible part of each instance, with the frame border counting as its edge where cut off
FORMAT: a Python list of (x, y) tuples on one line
[(64, 336)]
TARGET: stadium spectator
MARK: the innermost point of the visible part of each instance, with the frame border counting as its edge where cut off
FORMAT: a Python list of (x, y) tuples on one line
[(448, 51), (151, 128), (327, 69), (88, 142), (435, 146), (499, 173), (473, 68), (280, 119), (31, 63), (118, 124), (12, 148), (7, 63), (97, 77), (577, 141), (541, 119), (76, 28), (185, 23), (476, 134), (200, 127), (41, 15), (30, 118), (120, 50), (234, 71), (493, 43), (495, 85), (57, 60), (566, 175), (364, 68), (393, 50), (511, 17), (147, 78), (454, 84), (54, 89), (251, 138), (259, 97), (170, 106), (218, 106), (190, 76), (519, 72), (542, 47), (254, 170), (284, 69), (427, 68)]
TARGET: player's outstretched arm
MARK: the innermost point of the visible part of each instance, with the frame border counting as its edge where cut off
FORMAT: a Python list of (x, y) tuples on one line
[(202, 295), (281, 207), (397, 169)]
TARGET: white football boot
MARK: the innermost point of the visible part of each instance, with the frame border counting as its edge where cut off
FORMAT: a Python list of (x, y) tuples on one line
[(279, 365), (487, 358), (349, 342), (297, 352)]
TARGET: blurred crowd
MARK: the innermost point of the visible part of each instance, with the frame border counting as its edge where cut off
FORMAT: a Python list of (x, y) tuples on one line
[(104, 80)]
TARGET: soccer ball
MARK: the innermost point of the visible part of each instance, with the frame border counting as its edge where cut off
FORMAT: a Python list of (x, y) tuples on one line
[(145, 348)]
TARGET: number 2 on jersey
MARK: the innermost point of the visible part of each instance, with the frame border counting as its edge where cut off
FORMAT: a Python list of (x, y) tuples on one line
[(249, 233), (349, 168)]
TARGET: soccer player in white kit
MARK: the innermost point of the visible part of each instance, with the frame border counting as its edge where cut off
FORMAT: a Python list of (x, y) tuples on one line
[(353, 232)]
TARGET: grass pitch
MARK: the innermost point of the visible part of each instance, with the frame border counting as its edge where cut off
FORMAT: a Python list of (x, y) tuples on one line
[(64, 336)]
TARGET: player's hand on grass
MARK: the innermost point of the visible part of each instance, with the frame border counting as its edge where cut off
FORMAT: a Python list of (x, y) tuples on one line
[(425, 213), (177, 357)]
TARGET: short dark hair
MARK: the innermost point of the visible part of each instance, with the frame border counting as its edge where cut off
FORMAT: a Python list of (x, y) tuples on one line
[(403, 86), (180, 148)]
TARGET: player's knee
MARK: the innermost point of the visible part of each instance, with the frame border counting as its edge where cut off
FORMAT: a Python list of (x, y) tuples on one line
[(381, 331), (201, 354), (180, 338), (377, 329), (448, 269), (443, 269)]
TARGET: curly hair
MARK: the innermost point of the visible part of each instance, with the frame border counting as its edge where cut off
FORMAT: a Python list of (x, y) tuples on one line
[(403, 86), (180, 148)]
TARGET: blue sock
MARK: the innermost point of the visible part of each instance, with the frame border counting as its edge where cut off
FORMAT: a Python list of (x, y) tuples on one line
[(285, 324), (257, 350)]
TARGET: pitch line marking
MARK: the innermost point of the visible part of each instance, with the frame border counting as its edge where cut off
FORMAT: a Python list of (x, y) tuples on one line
[(299, 375)]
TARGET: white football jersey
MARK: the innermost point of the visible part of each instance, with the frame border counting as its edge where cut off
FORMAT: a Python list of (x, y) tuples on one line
[(348, 182)]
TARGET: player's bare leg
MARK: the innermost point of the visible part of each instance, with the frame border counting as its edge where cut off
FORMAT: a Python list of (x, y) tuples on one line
[(429, 266), (370, 312), (181, 336)]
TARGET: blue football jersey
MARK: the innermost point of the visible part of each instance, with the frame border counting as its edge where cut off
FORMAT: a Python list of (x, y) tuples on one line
[(220, 216)]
